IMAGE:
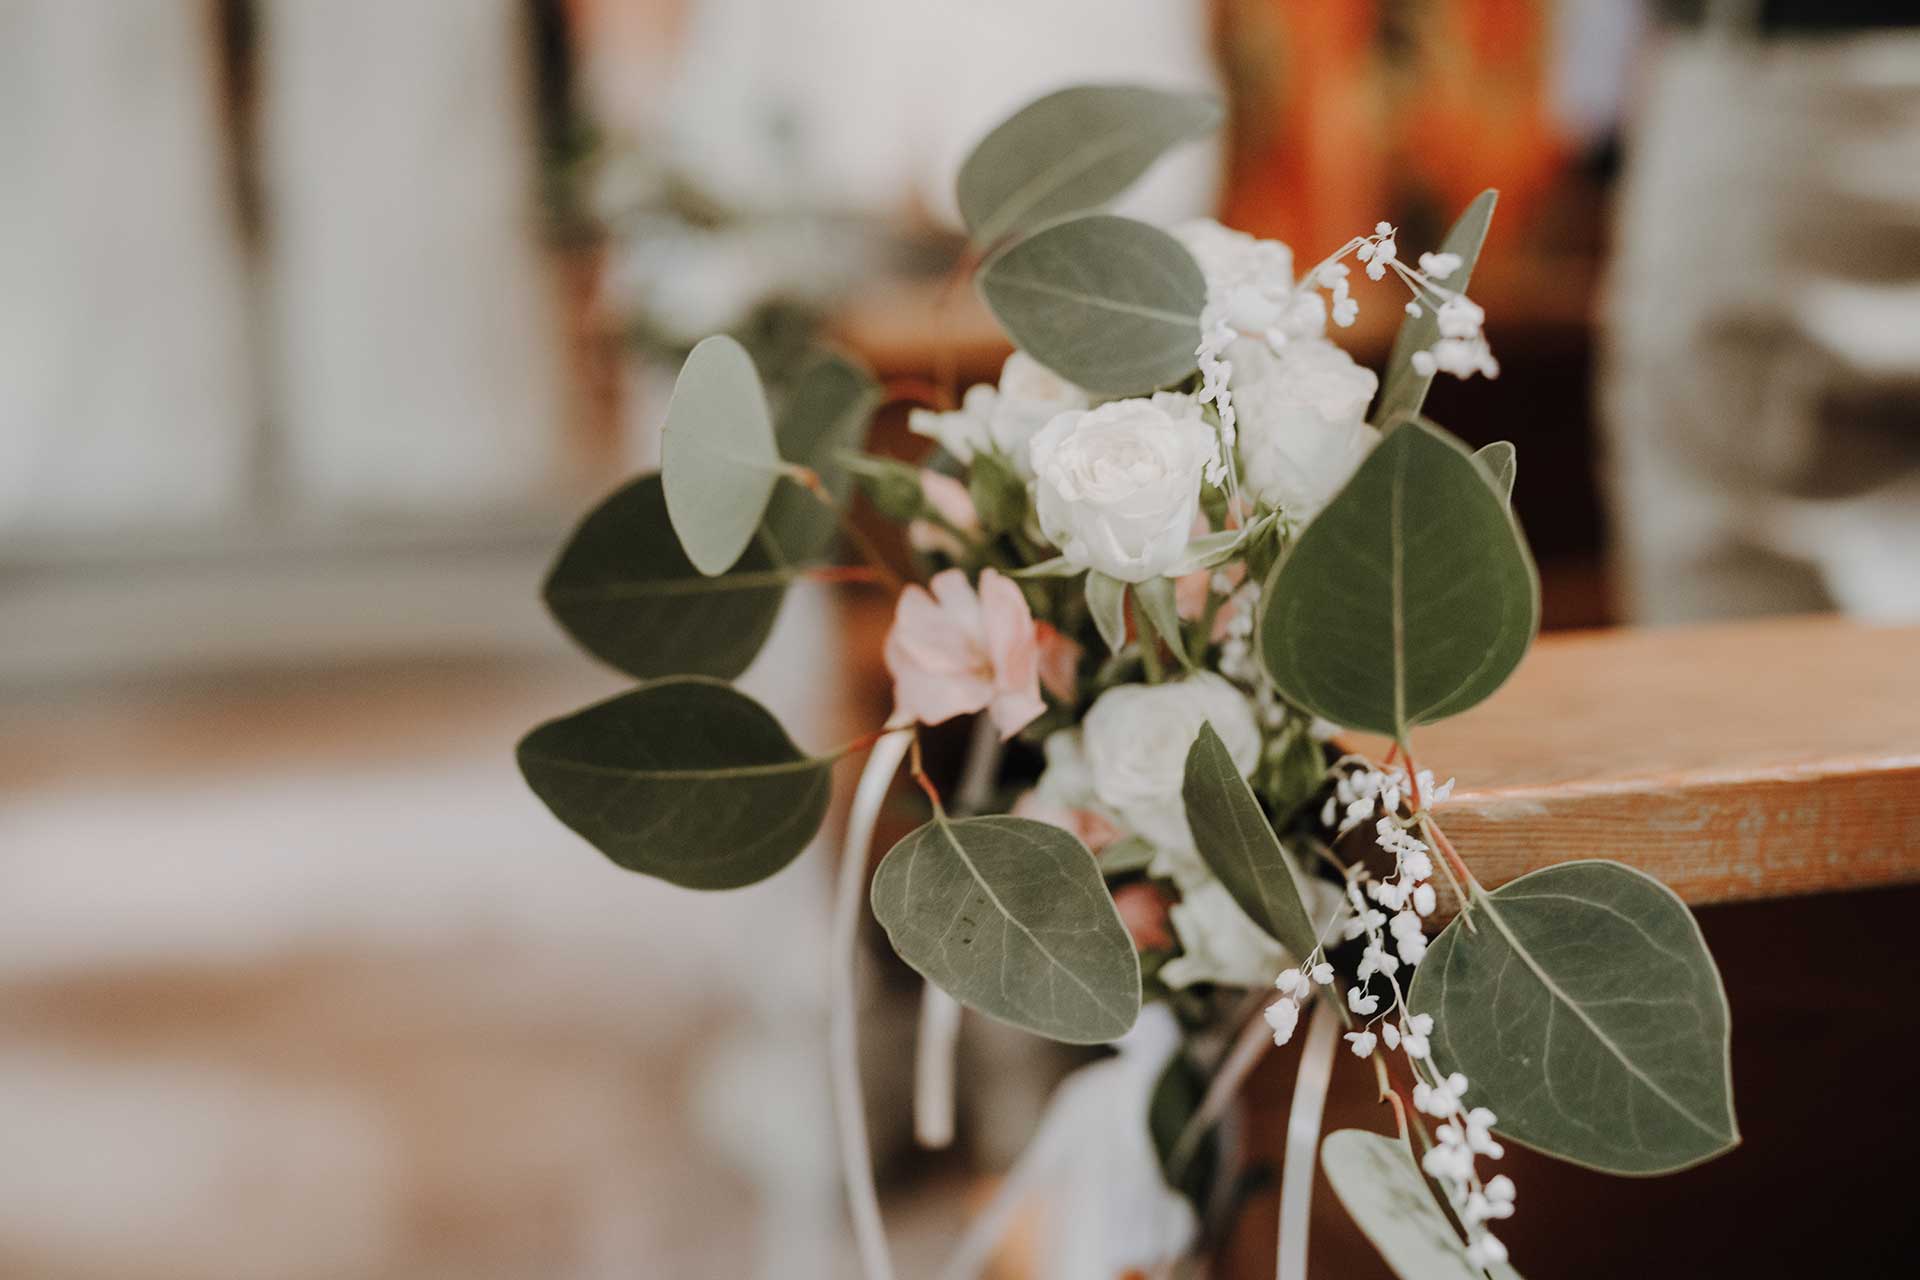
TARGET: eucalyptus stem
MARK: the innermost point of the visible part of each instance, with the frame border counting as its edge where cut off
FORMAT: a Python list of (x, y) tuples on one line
[(809, 479)]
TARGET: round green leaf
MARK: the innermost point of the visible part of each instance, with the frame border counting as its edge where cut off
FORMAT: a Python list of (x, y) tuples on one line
[(1108, 303), (717, 453), (688, 779), (1389, 1200), (1012, 917), (1586, 1012), (1411, 598), (1072, 151), (626, 593), (1404, 389)]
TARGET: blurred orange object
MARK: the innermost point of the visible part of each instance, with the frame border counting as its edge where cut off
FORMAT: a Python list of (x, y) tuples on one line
[(1348, 111)]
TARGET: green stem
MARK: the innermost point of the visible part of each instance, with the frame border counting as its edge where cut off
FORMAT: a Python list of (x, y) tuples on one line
[(1149, 640)]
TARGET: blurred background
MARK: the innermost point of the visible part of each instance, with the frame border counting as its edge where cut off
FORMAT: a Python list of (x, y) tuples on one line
[(321, 321)]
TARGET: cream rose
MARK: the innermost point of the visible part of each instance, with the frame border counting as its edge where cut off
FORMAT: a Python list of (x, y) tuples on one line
[(962, 432), (1136, 738), (1302, 419), (1219, 943), (1117, 487), (1250, 281)]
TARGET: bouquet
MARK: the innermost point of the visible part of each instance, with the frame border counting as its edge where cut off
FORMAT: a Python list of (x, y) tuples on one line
[(1171, 564)]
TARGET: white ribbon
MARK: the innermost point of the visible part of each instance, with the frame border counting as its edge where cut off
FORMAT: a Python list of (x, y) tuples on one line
[(1093, 1166), (856, 1157), (1303, 1137)]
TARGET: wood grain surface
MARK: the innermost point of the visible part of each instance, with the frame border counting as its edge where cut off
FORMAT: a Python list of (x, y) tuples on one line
[(1736, 761)]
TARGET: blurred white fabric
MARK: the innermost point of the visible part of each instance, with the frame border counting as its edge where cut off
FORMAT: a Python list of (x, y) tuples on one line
[(1762, 376), (126, 398), (416, 330), (871, 105)]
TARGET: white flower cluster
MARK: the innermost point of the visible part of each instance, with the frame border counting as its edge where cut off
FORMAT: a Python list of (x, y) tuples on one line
[(1462, 348), (1464, 1134)]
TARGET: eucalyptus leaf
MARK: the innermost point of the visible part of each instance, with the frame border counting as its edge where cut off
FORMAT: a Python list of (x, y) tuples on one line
[(718, 458), (1176, 1097), (1235, 841), (1125, 855), (1501, 462), (1107, 602), (1012, 917), (892, 486), (1587, 1013), (824, 418), (1108, 303), (686, 779), (1389, 1200), (1211, 549), (626, 593), (1072, 151), (1404, 389), (999, 494), (1410, 598)]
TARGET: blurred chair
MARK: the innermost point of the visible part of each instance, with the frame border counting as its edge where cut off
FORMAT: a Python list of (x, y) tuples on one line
[(1762, 380)]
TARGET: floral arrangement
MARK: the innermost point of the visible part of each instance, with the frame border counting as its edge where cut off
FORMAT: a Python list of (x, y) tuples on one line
[(1170, 563)]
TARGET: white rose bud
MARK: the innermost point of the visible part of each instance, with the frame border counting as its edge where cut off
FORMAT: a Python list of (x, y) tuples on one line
[(962, 432), (1118, 486), (1302, 418), (1031, 396), (1136, 738)]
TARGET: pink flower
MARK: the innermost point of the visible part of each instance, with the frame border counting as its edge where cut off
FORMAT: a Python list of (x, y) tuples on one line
[(950, 499), (1143, 910), (1059, 661), (956, 652), (1094, 830)]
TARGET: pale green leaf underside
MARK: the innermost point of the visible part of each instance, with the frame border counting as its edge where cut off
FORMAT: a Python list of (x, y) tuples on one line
[(1501, 462), (686, 779), (625, 591), (1410, 598), (1389, 1200), (1107, 602), (717, 454), (1234, 838), (1157, 601), (1589, 1016), (1404, 390), (1012, 918), (1073, 151), (1108, 303)]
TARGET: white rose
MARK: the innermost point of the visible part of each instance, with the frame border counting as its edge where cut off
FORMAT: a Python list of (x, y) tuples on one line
[(1137, 737), (1117, 487), (1218, 942), (1251, 281), (1031, 395), (964, 431), (1302, 416), (1067, 778)]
